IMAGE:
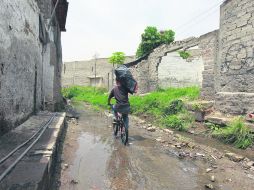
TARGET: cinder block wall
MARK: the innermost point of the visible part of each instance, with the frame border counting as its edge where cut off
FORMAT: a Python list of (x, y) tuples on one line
[(80, 72)]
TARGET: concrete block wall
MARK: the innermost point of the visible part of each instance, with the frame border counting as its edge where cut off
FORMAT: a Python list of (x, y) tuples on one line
[(81, 72), (235, 68), (174, 71)]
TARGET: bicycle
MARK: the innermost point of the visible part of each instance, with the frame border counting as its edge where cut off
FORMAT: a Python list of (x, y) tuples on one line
[(118, 125)]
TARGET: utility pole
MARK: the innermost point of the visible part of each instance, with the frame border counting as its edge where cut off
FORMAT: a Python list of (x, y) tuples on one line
[(95, 61)]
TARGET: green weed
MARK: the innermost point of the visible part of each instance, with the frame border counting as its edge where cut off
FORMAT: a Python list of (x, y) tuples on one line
[(181, 121), (236, 133), (95, 96)]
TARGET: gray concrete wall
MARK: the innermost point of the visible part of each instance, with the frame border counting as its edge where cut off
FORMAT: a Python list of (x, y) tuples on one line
[(52, 59), (235, 68), (82, 73), (27, 66), (20, 60)]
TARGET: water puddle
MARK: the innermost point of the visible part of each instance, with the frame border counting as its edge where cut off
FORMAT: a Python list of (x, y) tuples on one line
[(90, 162)]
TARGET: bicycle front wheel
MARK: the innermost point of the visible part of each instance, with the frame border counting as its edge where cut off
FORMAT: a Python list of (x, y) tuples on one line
[(115, 129), (124, 135)]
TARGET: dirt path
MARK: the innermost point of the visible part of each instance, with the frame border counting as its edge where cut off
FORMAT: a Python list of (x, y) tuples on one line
[(93, 159)]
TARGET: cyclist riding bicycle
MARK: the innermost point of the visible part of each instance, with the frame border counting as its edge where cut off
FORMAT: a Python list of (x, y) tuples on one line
[(122, 102)]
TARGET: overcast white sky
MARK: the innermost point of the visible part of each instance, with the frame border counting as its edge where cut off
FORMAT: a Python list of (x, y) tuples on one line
[(106, 26)]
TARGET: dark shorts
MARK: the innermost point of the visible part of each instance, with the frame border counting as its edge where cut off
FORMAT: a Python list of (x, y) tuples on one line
[(122, 108)]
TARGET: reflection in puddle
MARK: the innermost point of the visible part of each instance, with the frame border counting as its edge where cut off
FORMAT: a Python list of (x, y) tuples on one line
[(90, 162)]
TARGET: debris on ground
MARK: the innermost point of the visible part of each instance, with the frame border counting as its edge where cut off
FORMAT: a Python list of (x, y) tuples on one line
[(208, 170), (73, 181), (168, 131), (209, 186), (234, 157), (151, 129), (212, 178)]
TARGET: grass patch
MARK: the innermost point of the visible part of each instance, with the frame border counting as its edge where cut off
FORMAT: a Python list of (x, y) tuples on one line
[(165, 106), (97, 97), (157, 103), (236, 133), (181, 121)]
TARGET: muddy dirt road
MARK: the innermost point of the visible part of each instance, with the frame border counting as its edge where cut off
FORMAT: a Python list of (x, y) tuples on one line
[(94, 159)]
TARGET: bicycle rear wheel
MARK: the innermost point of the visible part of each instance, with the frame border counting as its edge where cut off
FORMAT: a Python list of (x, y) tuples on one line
[(124, 134)]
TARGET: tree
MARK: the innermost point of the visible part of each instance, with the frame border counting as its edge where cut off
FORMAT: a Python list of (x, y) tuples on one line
[(117, 58), (167, 36), (151, 39)]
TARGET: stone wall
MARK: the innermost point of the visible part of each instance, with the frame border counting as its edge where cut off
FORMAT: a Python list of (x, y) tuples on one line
[(82, 73), (163, 67), (235, 68), (209, 47), (25, 60)]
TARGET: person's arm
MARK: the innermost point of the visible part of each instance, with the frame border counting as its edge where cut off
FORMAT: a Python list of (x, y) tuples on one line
[(111, 95)]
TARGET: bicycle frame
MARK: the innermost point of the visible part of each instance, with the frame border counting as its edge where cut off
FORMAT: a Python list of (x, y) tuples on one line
[(118, 125)]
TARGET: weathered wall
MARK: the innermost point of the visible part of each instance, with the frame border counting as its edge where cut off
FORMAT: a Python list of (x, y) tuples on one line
[(209, 47), (25, 60), (163, 67), (52, 58), (20, 60), (82, 73), (174, 71), (235, 68)]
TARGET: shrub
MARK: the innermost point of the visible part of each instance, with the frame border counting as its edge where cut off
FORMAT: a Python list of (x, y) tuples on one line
[(184, 54)]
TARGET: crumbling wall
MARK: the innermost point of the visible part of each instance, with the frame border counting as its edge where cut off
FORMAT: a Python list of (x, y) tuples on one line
[(209, 47), (235, 68), (20, 62), (163, 67)]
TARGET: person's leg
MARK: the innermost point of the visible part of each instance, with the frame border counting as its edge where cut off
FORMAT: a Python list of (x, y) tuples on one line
[(114, 112), (126, 120)]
